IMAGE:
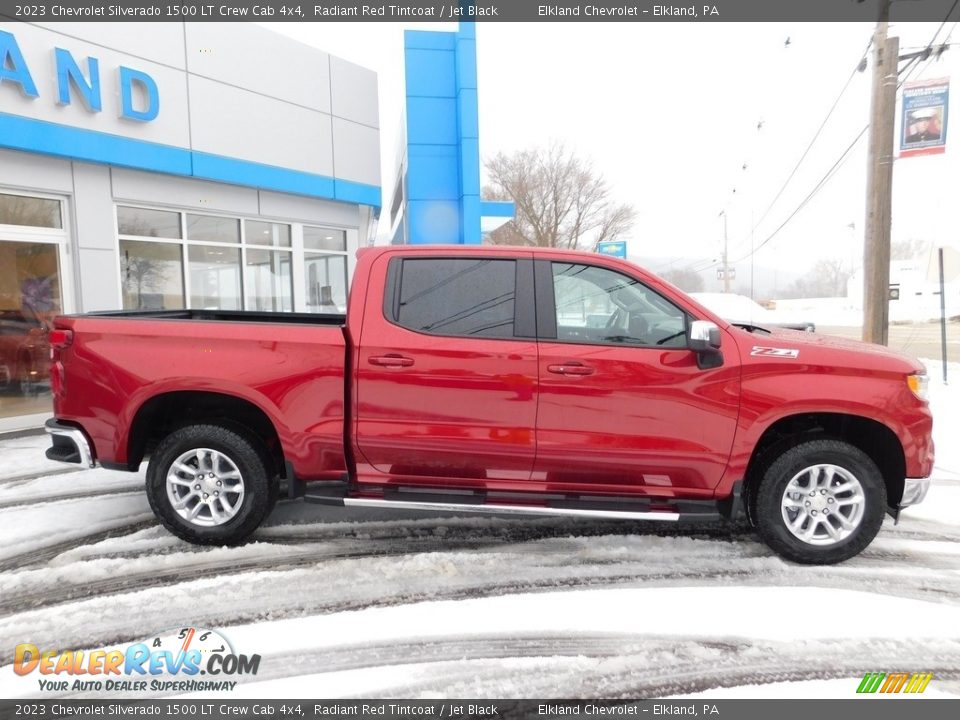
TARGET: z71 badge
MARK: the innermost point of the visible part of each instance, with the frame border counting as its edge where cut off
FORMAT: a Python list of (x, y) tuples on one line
[(775, 352)]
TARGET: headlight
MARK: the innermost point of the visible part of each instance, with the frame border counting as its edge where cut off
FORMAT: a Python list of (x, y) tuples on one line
[(918, 384)]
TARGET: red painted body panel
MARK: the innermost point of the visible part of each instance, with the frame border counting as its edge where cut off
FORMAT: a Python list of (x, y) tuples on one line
[(646, 421), (486, 413), (293, 373), (464, 410), (828, 375)]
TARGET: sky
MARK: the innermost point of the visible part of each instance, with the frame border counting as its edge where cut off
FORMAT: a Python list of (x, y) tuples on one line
[(669, 114)]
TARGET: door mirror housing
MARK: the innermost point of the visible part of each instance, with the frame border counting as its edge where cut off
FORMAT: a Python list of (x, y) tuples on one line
[(704, 337)]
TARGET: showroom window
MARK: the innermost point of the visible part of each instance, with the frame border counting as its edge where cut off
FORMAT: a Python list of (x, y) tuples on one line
[(170, 260), (32, 243), (325, 265)]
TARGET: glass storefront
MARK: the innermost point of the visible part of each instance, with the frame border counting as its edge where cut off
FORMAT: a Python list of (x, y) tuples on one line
[(172, 260), (169, 259), (152, 275), (325, 264), (30, 296)]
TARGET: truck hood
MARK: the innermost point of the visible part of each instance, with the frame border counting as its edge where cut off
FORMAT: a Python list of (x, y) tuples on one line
[(816, 349)]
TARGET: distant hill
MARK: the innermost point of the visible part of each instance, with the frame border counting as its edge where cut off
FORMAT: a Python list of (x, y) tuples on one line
[(768, 281)]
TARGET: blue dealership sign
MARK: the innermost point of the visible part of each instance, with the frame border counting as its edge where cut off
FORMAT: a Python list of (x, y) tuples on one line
[(614, 248)]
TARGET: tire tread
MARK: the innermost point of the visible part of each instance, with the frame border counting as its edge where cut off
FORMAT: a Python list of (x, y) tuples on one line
[(770, 491), (259, 491)]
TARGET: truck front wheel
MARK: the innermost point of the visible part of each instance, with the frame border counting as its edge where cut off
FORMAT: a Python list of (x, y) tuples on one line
[(209, 485), (821, 502)]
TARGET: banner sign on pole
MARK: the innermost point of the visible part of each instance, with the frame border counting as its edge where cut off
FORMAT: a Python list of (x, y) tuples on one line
[(923, 118)]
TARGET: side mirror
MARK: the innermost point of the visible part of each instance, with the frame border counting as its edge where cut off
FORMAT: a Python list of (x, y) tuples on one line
[(703, 337)]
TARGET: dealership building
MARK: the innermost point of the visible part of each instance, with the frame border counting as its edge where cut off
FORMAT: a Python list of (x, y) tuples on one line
[(171, 166)]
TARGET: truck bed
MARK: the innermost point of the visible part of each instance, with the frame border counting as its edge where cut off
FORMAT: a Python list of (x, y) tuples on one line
[(128, 371)]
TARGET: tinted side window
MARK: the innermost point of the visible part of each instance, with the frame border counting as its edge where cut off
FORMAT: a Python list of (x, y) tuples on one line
[(446, 296)]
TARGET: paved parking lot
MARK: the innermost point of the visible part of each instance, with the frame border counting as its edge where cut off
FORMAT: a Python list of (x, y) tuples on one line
[(920, 339)]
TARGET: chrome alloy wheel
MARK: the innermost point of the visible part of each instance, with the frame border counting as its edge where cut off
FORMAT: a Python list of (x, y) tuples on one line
[(205, 487), (823, 504)]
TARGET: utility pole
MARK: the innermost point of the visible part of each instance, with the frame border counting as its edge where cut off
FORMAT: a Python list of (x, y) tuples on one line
[(726, 268), (876, 248)]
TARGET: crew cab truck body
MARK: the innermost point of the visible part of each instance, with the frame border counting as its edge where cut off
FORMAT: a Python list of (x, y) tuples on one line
[(498, 379)]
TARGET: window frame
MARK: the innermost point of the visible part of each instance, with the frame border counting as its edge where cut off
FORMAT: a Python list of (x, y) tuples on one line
[(312, 253), (547, 308), (61, 238), (297, 252), (524, 320)]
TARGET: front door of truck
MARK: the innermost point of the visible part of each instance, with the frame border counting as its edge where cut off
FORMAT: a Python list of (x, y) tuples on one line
[(623, 406), (447, 372)]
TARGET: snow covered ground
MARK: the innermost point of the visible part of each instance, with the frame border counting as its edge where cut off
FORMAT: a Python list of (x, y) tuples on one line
[(360, 604)]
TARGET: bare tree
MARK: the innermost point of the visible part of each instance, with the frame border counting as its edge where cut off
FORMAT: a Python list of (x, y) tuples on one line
[(909, 249), (685, 279), (561, 200), (36, 212), (141, 274), (828, 278)]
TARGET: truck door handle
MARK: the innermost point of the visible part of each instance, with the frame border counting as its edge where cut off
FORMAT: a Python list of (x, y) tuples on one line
[(391, 360), (570, 368)]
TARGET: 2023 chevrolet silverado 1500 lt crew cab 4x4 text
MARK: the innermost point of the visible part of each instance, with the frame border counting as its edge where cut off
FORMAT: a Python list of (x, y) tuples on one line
[(498, 379)]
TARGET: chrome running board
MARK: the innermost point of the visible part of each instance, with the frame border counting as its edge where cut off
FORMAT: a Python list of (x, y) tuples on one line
[(490, 509)]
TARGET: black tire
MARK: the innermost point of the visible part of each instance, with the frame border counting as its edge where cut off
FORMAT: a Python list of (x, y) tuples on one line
[(259, 485), (772, 526)]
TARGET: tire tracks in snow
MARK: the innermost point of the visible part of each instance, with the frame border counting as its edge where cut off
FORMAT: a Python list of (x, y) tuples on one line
[(317, 596), (293, 553), (79, 495), (610, 666), (47, 553), (637, 666)]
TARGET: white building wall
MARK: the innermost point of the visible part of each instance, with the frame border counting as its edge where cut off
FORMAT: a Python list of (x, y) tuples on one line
[(233, 89)]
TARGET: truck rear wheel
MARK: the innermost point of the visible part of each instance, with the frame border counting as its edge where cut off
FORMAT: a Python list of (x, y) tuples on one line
[(821, 502), (209, 484)]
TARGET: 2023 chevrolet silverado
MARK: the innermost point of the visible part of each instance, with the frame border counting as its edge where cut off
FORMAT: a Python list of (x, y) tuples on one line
[(499, 380)]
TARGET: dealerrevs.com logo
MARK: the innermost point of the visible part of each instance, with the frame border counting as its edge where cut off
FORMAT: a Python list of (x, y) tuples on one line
[(166, 663)]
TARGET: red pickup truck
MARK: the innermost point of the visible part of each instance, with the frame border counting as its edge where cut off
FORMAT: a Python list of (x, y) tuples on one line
[(495, 379)]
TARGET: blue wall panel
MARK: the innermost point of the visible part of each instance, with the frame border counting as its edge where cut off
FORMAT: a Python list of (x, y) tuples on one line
[(428, 40), (443, 146), (468, 109), (470, 167), (498, 208), (431, 121), (38, 136), (433, 173), (436, 221), (430, 73), (470, 210)]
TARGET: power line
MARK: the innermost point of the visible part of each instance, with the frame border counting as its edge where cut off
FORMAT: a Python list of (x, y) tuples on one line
[(816, 135), (816, 189), (924, 55), (949, 13), (843, 157), (946, 41)]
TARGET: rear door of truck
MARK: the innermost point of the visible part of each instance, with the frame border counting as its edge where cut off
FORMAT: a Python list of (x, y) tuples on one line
[(446, 369)]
